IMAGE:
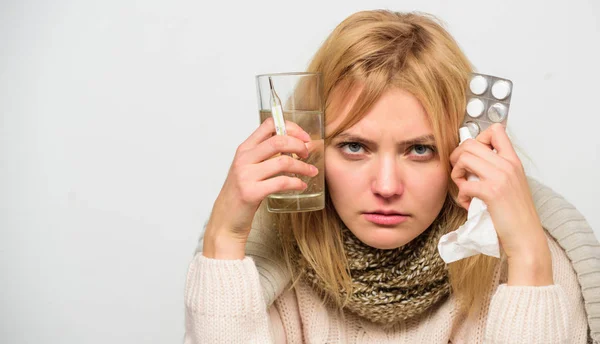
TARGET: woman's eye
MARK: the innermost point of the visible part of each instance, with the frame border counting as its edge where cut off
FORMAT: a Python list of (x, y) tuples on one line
[(351, 148), (354, 147), (422, 151)]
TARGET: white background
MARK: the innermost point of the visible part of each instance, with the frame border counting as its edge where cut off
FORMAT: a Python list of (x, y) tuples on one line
[(119, 120)]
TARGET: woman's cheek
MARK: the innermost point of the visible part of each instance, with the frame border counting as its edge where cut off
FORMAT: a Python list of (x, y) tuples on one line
[(344, 178), (432, 184)]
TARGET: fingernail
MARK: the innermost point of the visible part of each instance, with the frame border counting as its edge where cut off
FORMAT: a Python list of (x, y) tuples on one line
[(314, 169), (307, 151)]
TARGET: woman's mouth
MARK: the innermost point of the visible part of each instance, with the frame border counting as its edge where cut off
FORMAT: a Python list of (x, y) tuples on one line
[(385, 219)]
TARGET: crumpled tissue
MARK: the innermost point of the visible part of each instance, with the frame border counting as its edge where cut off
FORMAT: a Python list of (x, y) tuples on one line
[(477, 235)]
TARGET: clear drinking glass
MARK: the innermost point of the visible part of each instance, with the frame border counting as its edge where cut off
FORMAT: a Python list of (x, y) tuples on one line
[(300, 96)]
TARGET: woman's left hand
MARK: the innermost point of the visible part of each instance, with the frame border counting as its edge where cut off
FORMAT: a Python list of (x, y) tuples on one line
[(503, 186)]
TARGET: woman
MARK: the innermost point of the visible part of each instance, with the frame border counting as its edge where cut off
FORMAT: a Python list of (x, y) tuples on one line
[(366, 268)]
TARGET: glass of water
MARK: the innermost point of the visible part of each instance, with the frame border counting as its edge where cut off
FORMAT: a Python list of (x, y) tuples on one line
[(300, 97)]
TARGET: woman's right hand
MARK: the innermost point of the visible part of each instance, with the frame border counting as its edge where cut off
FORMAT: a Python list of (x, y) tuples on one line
[(253, 175)]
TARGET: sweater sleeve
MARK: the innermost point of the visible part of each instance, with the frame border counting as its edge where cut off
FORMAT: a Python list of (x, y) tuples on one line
[(264, 247), (528, 315), (547, 314), (224, 302)]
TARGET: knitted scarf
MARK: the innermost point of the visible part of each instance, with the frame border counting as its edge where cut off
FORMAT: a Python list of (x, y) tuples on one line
[(389, 286)]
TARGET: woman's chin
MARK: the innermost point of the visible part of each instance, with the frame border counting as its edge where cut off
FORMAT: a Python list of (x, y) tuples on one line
[(383, 238)]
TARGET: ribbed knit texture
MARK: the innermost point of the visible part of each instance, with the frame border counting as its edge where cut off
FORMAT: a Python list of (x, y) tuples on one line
[(299, 316), (221, 294), (570, 229), (518, 313)]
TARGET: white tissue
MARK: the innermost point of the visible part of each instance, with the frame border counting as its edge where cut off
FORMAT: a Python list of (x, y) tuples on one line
[(476, 236)]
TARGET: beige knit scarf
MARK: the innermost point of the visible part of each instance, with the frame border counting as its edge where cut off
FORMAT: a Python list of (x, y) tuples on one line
[(389, 286)]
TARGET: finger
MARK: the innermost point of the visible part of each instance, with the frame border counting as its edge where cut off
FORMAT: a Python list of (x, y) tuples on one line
[(496, 137), (474, 147), (482, 151), (279, 184), (466, 192), (283, 163), (267, 129), (472, 164), (315, 146), (275, 145)]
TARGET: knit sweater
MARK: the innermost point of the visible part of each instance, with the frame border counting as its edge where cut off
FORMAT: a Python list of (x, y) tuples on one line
[(244, 301)]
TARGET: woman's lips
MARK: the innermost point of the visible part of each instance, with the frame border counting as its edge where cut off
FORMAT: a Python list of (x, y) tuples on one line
[(382, 219)]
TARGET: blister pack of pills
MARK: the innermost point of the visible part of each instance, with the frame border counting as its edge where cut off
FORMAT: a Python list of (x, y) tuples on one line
[(488, 101)]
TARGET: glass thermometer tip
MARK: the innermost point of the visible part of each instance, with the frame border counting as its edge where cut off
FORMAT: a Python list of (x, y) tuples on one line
[(277, 111)]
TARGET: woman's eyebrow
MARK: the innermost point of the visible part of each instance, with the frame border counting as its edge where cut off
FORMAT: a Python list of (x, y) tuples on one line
[(354, 138), (418, 140), (423, 139)]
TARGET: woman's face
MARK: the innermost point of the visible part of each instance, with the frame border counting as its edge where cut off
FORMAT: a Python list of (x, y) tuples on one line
[(384, 177)]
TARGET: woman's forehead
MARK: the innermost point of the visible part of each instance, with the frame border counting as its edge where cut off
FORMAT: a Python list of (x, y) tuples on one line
[(396, 112)]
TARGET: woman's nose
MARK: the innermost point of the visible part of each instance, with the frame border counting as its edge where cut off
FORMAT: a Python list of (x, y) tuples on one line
[(387, 182)]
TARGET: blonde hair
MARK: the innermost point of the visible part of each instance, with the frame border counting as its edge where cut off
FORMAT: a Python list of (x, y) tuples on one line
[(376, 50)]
